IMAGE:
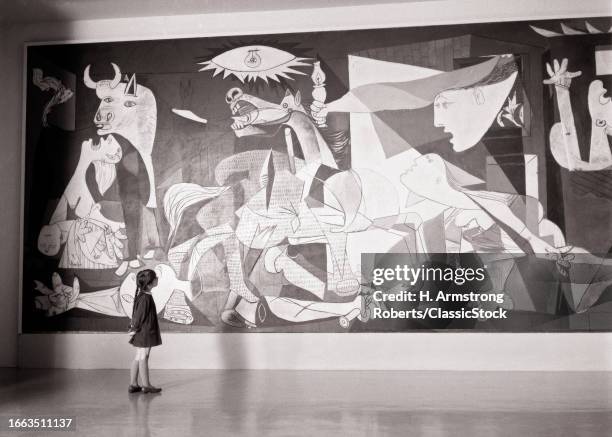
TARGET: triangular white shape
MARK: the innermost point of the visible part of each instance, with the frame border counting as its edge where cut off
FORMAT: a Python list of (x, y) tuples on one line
[(544, 32), (591, 28), (364, 71), (569, 31)]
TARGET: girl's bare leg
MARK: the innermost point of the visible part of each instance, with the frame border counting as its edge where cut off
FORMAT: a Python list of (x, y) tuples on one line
[(143, 365), (134, 370)]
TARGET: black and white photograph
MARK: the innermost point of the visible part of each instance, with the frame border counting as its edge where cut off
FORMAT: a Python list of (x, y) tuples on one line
[(306, 218)]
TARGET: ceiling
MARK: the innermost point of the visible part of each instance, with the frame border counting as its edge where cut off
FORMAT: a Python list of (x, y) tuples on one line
[(34, 11)]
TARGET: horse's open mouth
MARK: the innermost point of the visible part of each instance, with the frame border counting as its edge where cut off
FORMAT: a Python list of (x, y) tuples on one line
[(242, 107), (250, 120), (248, 130), (243, 113)]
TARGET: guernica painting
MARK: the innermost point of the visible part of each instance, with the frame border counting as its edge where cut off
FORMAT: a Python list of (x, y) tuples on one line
[(254, 174)]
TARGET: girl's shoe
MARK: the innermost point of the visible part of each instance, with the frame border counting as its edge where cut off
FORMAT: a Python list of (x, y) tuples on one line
[(134, 388), (151, 389)]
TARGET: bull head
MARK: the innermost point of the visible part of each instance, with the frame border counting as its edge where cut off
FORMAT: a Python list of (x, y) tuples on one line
[(110, 115)]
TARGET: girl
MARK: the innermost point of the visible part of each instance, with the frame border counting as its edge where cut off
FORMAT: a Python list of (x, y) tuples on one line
[(144, 331)]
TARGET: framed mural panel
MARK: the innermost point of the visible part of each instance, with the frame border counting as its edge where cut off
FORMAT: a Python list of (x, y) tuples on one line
[(453, 177)]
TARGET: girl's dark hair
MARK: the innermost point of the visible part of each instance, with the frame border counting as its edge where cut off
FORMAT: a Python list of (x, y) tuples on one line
[(144, 279)]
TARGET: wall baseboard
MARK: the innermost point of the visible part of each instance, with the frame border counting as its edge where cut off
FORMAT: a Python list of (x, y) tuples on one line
[(376, 351)]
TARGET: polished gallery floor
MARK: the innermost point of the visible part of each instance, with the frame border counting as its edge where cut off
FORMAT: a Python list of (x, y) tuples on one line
[(314, 403)]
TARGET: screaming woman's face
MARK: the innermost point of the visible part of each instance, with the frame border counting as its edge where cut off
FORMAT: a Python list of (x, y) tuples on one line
[(468, 113)]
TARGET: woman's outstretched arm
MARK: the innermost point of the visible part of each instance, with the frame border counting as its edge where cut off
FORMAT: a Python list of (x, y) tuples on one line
[(502, 212)]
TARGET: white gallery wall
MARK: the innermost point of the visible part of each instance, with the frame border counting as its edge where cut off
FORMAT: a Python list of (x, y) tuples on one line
[(450, 351)]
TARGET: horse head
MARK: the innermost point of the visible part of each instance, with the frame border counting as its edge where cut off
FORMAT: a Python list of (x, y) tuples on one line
[(254, 116)]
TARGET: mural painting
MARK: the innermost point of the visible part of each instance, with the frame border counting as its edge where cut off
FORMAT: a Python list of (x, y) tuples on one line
[(254, 173)]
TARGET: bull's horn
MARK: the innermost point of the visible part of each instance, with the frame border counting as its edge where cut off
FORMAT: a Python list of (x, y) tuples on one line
[(117, 77), (87, 79)]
